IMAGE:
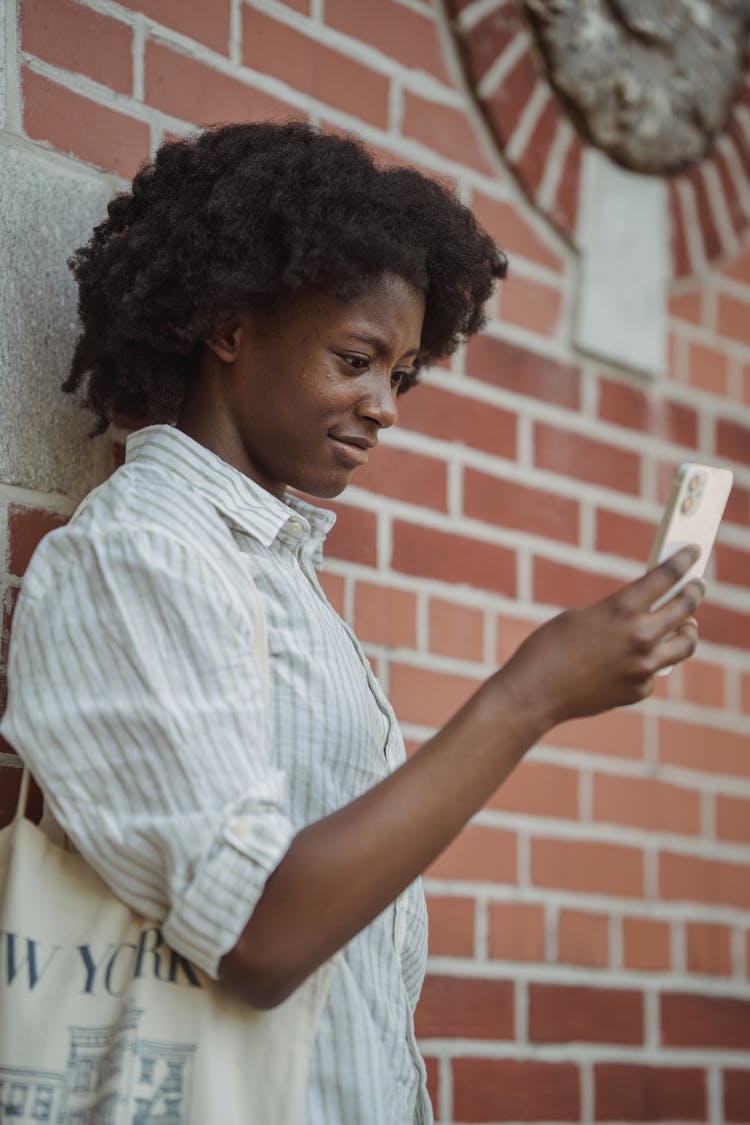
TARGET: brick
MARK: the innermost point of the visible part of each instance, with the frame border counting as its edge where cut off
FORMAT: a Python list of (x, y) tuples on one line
[(724, 626), (511, 633), (565, 205), (509, 504), (26, 528), (707, 369), (427, 697), (488, 39), (733, 318), (706, 225), (690, 1020), (708, 948), (205, 23), (10, 781), (687, 305), (732, 439), (333, 587), (732, 565), (454, 417), (456, 630), (481, 854), (587, 867), (444, 130), (539, 789), (81, 128), (646, 803), (583, 938), (451, 926), (509, 229), (681, 266), (691, 878), (523, 372), (192, 91), (505, 106), (599, 462), (734, 204), (308, 65), (401, 33), (532, 305), (515, 1090), (733, 818), (703, 683), (564, 1014), (465, 1008), (738, 268), (532, 162), (453, 558), (406, 476), (624, 535), (385, 616), (354, 535), (516, 931), (646, 944), (630, 1092), (624, 406), (557, 584), (703, 748), (736, 1085), (618, 733), (432, 1066), (77, 39)]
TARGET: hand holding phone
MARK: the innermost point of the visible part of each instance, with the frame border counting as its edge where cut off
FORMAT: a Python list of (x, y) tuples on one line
[(692, 515)]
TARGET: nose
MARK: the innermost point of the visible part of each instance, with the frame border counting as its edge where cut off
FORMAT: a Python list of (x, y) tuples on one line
[(378, 403)]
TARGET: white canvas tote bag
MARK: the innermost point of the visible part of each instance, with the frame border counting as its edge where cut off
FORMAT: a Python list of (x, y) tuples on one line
[(101, 1023)]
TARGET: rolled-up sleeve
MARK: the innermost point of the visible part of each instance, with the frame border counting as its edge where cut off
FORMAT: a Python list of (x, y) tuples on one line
[(135, 697)]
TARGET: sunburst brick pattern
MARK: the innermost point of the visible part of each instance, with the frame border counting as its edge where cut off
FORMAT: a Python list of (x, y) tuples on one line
[(709, 204)]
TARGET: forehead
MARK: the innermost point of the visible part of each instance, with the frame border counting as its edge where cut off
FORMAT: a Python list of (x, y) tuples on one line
[(389, 307)]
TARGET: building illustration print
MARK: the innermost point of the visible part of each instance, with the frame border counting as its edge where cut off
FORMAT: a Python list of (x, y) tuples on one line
[(112, 1077)]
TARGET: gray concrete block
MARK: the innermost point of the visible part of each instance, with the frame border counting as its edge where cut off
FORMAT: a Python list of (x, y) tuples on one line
[(46, 211)]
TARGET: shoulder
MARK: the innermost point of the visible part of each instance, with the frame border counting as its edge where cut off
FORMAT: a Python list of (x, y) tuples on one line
[(142, 519)]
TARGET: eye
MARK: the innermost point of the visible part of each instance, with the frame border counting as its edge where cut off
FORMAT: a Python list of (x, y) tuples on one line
[(355, 361), (400, 377)]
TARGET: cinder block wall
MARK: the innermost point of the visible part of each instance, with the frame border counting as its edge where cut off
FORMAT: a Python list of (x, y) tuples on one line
[(590, 931)]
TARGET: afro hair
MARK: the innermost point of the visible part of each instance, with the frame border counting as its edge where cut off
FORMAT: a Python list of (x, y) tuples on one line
[(238, 217)]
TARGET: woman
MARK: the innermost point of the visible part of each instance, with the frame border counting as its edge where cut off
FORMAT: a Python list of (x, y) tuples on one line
[(271, 290)]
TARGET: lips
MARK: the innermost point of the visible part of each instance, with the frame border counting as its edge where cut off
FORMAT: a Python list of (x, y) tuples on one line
[(352, 449)]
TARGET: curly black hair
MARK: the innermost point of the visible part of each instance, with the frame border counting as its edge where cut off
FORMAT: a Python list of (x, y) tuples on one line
[(235, 218)]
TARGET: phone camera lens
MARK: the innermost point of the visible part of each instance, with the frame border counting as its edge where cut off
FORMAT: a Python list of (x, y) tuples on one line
[(693, 483), (686, 504)]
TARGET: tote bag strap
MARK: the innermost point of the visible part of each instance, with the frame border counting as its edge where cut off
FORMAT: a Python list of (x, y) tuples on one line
[(23, 795)]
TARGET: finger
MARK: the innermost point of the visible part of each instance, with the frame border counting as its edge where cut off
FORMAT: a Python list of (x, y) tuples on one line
[(641, 594), (679, 609), (677, 646)]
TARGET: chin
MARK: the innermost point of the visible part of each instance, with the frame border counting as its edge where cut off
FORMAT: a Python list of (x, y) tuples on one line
[(321, 490)]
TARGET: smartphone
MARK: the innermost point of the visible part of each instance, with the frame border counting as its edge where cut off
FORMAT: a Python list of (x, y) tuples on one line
[(693, 513)]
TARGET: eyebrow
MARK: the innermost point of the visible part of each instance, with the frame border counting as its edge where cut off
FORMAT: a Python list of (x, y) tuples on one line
[(378, 344)]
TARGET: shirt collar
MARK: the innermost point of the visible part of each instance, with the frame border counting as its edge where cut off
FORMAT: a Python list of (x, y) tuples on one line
[(243, 503)]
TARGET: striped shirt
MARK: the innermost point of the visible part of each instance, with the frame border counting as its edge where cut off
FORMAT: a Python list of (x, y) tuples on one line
[(137, 701)]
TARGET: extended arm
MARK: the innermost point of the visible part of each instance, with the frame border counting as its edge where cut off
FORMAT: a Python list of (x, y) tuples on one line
[(580, 663)]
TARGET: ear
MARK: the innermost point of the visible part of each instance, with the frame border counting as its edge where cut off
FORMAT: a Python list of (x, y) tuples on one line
[(224, 342)]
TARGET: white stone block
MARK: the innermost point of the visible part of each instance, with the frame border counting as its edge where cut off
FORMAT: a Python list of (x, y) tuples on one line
[(623, 234), (46, 211)]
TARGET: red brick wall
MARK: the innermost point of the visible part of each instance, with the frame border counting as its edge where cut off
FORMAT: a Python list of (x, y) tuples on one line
[(590, 935)]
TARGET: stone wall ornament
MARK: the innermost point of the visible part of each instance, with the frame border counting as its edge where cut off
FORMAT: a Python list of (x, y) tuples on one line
[(650, 82)]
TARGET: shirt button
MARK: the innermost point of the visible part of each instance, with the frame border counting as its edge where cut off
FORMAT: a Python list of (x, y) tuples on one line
[(240, 827), (294, 527)]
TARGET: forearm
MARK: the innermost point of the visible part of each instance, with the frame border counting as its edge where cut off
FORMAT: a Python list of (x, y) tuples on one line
[(340, 872)]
